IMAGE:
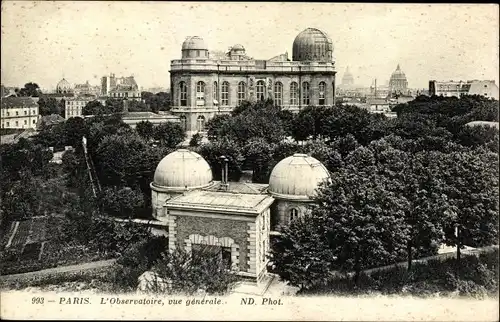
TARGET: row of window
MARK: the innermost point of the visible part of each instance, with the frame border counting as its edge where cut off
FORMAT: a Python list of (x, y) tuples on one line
[(260, 93), (25, 113), (124, 94), (7, 124)]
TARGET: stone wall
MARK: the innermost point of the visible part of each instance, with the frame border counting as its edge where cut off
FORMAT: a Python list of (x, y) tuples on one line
[(185, 226)]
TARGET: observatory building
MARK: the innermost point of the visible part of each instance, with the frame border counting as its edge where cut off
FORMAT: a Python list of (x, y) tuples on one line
[(203, 85), (234, 220)]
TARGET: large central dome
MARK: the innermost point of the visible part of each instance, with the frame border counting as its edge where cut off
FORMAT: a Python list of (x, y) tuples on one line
[(312, 45), (182, 169), (297, 177)]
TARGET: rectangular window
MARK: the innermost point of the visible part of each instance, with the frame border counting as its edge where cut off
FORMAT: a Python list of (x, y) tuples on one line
[(25, 112), (34, 122), (8, 124), (17, 123), (25, 122)]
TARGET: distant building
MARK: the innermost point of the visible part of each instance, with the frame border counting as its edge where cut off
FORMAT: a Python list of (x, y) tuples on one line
[(19, 113), (347, 79), (87, 89), (398, 84), (132, 118), (64, 87), (74, 106), (120, 87), (486, 88)]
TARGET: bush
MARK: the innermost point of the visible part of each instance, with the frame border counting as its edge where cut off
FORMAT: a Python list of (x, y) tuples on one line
[(478, 278), (135, 261)]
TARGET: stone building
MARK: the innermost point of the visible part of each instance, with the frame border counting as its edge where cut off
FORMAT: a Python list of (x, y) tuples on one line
[(74, 105), (486, 88), (203, 86), (19, 113), (234, 219), (120, 87)]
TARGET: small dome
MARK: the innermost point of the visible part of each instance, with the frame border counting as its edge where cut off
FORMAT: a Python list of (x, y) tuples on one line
[(194, 42), (297, 177), (182, 169), (237, 47), (312, 45)]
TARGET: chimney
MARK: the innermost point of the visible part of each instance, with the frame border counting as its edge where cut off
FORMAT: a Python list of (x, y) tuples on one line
[(225, 170)]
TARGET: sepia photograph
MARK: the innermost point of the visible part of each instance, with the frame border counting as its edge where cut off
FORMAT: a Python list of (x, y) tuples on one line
[(182, 160)]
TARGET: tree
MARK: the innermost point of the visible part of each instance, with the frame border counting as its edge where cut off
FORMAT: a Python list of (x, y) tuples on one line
[(310, 122), (120, 159), (299, 254), (476, 136), (259, 156), (48, 106), (259, 120), (145, 129), (212, 152), (169, 134), (94, 108), (30, 90), (358, 222), (471, 186), (195, 140), (114, 105), (121, 202)]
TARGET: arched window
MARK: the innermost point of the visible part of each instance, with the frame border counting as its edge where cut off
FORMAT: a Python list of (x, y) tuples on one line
[(225, 94), (200, 91), (215, 93), (294, 93), (242, 94), (261, 90), (278, 94), (200, 123), (305, 93), (183, 94), (293, 214), (322, 96)]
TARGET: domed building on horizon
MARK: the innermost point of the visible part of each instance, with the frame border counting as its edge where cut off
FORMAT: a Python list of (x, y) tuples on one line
[(203, 86), (398, 84), (233, 220), (64, 87)]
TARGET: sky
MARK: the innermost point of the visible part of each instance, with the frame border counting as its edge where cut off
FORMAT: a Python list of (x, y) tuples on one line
[(44, 41)]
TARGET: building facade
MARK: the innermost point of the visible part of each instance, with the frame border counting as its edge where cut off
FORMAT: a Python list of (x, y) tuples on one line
[(120, 87), (74, 105), (235, 220), (86, 90), (19, 113), (203, 86), (486, 88)]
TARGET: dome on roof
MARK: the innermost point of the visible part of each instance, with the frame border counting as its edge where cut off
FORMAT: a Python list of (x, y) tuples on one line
[(347, 79), (182, 169), (297, 177), (238, 47), (312, 45), (398, 81), (398, 74), (194, 42), (63, 85)]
